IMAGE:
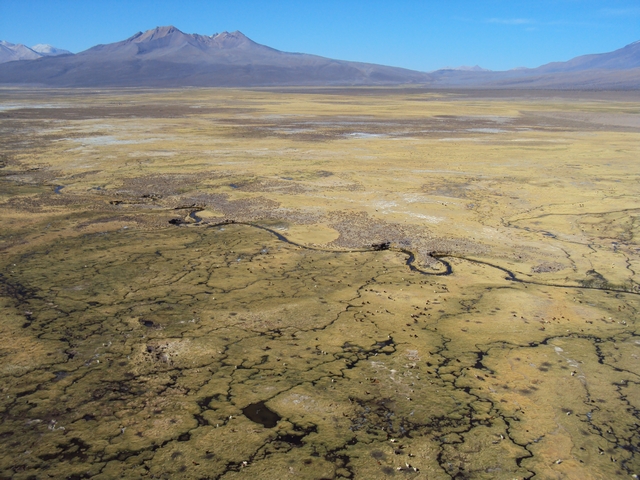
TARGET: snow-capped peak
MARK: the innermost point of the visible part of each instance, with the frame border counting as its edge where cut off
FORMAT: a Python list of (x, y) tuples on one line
[(49, 50)]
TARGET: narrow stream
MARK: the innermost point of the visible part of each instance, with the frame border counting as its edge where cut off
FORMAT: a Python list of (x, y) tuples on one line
[(194, 216), (411, 258)]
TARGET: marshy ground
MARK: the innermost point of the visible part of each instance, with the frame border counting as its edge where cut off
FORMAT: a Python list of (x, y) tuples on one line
[(319, 284)]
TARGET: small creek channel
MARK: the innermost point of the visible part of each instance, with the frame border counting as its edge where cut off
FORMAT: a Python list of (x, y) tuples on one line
[(448, 270)]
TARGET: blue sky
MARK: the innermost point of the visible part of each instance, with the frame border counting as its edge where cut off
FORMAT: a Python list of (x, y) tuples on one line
[(421, 35)]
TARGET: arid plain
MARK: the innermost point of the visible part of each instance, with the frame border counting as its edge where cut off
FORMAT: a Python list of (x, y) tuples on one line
[(319, 284)]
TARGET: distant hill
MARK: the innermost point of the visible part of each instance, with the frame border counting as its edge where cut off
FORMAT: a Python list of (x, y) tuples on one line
[(625, 58), (167, 57), (619, 69), (10, 52)]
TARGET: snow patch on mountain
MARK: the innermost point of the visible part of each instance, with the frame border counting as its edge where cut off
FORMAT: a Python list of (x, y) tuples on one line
[(47, 50), (10, 52)]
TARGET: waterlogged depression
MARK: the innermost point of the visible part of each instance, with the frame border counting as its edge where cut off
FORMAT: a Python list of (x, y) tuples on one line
[(291, 314)]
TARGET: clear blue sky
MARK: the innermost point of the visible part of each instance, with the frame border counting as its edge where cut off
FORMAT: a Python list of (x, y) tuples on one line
[(421, 35)]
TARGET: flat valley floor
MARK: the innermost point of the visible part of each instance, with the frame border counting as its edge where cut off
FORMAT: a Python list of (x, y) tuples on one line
[(329, 283)]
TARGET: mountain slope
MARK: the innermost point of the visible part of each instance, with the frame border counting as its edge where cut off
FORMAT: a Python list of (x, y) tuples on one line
[(167, 57), (622, 59), (10, 52), (619, 69)]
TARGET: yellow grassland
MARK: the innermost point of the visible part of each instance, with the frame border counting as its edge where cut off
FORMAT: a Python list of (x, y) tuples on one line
[(133, 347)]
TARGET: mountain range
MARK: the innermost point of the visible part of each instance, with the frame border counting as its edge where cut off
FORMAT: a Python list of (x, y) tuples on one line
[(619, 69), (16, 51), (167, 57)]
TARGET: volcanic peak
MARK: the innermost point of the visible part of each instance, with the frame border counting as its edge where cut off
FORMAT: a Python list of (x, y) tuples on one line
[(223, 40)]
